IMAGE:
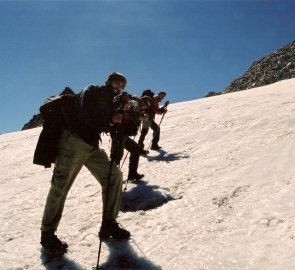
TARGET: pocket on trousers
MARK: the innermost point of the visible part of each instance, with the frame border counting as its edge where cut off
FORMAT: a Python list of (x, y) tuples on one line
[(63, 165)]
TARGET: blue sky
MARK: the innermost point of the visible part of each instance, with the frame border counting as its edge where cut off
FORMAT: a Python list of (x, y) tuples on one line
[(186, 47)]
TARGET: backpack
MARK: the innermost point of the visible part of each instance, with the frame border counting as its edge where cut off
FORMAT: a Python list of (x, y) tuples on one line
[(56, 113), (148, 92), (132, 121), (56, 110)]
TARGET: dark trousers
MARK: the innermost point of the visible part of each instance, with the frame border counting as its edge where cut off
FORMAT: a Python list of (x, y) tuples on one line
[(145, 129), (132, 147)]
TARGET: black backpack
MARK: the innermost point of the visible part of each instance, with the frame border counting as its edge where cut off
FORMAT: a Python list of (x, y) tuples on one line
[(56, 109), (148, 92)]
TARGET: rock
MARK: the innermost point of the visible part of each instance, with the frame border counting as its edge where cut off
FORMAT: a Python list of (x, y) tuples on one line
[(212, 93), (276, 66), (36, 121)]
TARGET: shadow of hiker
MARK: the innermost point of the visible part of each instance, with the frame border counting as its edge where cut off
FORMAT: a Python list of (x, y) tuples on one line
[(163, 156), (144, 197), (52, 262), (123, 257)]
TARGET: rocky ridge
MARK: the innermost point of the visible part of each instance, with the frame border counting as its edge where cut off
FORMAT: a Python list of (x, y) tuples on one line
[(276, 66)]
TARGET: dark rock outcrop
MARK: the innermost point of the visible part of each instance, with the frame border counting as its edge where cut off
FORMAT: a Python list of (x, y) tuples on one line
[(37, 119), (276, 66), (212, 94)]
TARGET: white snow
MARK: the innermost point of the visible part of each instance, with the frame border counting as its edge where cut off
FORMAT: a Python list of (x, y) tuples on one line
[(220, 195)]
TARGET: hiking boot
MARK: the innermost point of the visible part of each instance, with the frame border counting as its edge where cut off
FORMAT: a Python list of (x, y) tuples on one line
[(136, 176), (110, 229), (50, 241), (155, 147), (144, 152)]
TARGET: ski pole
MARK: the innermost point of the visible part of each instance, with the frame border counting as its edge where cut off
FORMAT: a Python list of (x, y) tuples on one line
[(104, 211), (124, 160), (124, 101)]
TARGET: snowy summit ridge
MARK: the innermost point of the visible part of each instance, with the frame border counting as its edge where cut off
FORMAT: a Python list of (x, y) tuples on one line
[(220, 195)]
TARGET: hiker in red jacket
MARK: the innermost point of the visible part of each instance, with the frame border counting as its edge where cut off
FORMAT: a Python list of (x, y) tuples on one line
[(150, 123)]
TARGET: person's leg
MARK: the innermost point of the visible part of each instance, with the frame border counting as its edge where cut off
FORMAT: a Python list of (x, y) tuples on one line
[(135, 151), (67, 165), (144, 131), (99, 165), (156, 133), (117, 148)]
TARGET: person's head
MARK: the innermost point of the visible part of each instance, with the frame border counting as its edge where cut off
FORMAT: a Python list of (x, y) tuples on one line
[(145, 103), (117, 81), (162, 95)]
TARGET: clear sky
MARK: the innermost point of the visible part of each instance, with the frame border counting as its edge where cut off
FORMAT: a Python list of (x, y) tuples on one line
[(186, 47)]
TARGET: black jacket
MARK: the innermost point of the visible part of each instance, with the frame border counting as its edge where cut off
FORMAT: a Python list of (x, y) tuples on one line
[(93, 110)]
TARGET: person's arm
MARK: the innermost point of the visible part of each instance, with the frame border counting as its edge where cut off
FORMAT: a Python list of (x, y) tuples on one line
[(156, 108)]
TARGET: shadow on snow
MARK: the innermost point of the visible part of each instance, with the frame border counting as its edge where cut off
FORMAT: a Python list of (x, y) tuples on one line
[(123, 256), (164, 156), (51, 262), (144, 197)]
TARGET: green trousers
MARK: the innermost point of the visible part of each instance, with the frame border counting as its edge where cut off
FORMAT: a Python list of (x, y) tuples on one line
[(73, 154)]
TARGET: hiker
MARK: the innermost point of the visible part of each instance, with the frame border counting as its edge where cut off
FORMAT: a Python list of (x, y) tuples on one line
[(92, 114), (150, 123), (132, 118)]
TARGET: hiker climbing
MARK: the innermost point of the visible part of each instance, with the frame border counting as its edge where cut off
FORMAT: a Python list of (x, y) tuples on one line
[(92, 112), (132, 118), (150, 123)]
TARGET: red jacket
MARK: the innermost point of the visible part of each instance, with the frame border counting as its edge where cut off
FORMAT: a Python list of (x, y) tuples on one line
[(155, 105)]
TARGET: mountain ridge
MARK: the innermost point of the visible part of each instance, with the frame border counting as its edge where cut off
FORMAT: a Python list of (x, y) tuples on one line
[(275, 66)]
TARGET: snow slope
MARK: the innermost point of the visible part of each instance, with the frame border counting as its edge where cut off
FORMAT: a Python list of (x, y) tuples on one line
[(220, 195)]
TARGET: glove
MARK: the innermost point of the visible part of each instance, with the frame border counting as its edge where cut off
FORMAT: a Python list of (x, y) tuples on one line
[(164, 109)]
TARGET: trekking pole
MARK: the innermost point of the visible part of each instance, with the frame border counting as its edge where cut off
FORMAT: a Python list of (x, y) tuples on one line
[(124, 100), (104, 212), (125, 188), (124, 160), (166, 104)]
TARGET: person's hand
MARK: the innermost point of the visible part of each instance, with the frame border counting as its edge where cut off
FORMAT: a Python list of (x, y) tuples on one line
[(164, 109), (144, 117), (117, 118)]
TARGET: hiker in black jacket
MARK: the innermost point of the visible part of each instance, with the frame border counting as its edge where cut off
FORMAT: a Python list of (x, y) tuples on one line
[(92, 113), (132, 117)]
